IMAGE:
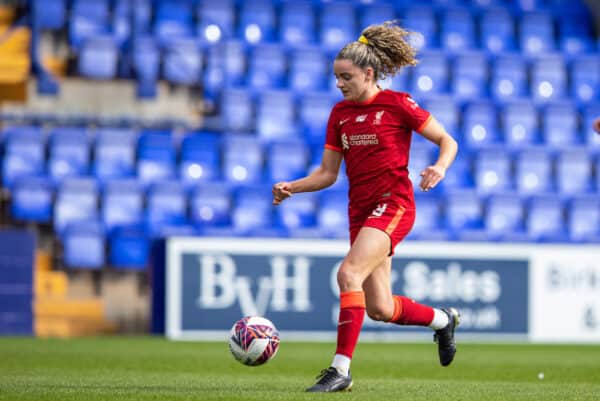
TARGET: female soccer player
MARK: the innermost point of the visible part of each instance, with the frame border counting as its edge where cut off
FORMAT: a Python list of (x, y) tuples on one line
[(371, 129)]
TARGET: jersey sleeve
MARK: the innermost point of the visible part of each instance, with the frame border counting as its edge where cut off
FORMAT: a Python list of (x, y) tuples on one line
[(412, 114), (333, 140)]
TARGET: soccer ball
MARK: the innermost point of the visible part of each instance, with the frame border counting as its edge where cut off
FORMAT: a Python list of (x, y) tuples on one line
[(254, 340)]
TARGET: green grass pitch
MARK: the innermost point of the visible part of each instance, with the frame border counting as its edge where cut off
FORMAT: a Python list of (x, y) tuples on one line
[(147, 368)]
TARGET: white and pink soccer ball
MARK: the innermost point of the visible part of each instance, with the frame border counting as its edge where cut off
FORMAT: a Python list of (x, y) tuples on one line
[(254, 340)]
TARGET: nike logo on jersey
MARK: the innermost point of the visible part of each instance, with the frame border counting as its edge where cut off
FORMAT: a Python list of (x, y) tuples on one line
[(344, 121), (361, 118)]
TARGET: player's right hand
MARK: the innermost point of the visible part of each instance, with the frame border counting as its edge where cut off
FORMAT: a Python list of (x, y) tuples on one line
[(281, 191)]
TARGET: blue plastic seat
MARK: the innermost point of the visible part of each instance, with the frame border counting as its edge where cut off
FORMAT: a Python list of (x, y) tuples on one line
[(308, 69), (313, 114), (533, 171), (122, 23), (509, 78), (445, 110), (267, 67), (575, 32), (237, 109), (493, 171), (114, 153), (457, 30), (182, 61), (49, 14), (84, 245), (520, 123), (210, 204), (252, 209), (87, 19), (200, 158), (548, 78), (32, 200), (332, 214), (560, 125), (590, 113), (128, 248), (585, 78), (459, 175), (431, 75), (24, 154), (287, 160), (583, 218), (464, 210), (297, 213), (429, 218), (142, 17), (216, 20), (545, 220), (536, 33), (337, 25), (69, 153), (497, 30), (156, 157), (375, 13), (173, 20), (146, 66), (257, 21), (226, 66), (122, 204), (574, 171), (276, 115), (76, 201), (242, 159), (98, 57), (504, 215), (421, 156), (470, 73), (166, 205), (297, 23), (421, 21), (480, 124)]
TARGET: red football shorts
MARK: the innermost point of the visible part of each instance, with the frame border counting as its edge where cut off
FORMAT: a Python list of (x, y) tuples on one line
[(388, 216)]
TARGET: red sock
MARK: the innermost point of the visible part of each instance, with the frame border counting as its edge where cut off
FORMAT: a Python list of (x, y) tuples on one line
[(352, 314), (408, 312)]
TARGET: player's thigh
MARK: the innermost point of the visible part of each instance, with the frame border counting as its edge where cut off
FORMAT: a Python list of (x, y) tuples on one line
[(378, 292), (369, 250)]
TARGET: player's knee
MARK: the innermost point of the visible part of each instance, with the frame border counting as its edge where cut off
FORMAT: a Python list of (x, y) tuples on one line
[(379, 313), (348, 279)]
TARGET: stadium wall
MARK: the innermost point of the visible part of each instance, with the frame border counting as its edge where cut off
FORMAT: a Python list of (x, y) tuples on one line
[(541, 293)]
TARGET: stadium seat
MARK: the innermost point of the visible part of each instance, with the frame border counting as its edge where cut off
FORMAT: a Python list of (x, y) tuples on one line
[(200, 158), (156, 157), (575, 33), (49, 14), (504, 215), (216, 20), (172, 20), (24, 154), (422, 21), (122, 23), (497, 30), (509, 77), (429, 219), (182, 61), (267, 67), (76, 201), (574, 171), (287, 160), (560, 125), (128, 248), (308, 69), (464, 210), (585, 78), (98, 57), (237, 109), (470, 76), (297, 23), (480, 124), (146, 66), (545, 220), (337, 25), (313, 114), (533, 171), (84, 245), (252, 209), (548, 78), (459, 175), (69, 153), (276, 115), (210, 204), (32, 200), (87, 19), (520, 124), (536, 33), (457, 30), (445, 110), (583, 218), (242, 159), (375, 13), (332, 214), (257, 21), (298, 213), (431, 75), (226, 66), (590, 113), (142, 17), (122, 204), (114, 153), (493, 171), (421, 156), (166, 205)]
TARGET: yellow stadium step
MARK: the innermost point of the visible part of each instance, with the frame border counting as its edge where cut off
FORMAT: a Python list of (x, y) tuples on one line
[(92, 308), (43, 260), (66, 328), (14, 68), (51, 284), (17, 42)]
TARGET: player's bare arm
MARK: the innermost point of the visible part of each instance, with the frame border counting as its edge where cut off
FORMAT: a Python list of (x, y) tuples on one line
[(432, 175), (322, 177)]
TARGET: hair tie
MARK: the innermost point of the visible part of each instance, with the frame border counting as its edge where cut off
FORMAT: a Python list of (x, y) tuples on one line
[(364, 40)]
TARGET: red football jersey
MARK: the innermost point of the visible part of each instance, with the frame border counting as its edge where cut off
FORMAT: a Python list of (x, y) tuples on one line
[(375, 137)]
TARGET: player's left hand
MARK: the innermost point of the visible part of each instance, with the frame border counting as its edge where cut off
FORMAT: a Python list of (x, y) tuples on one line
[(431, 176)]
